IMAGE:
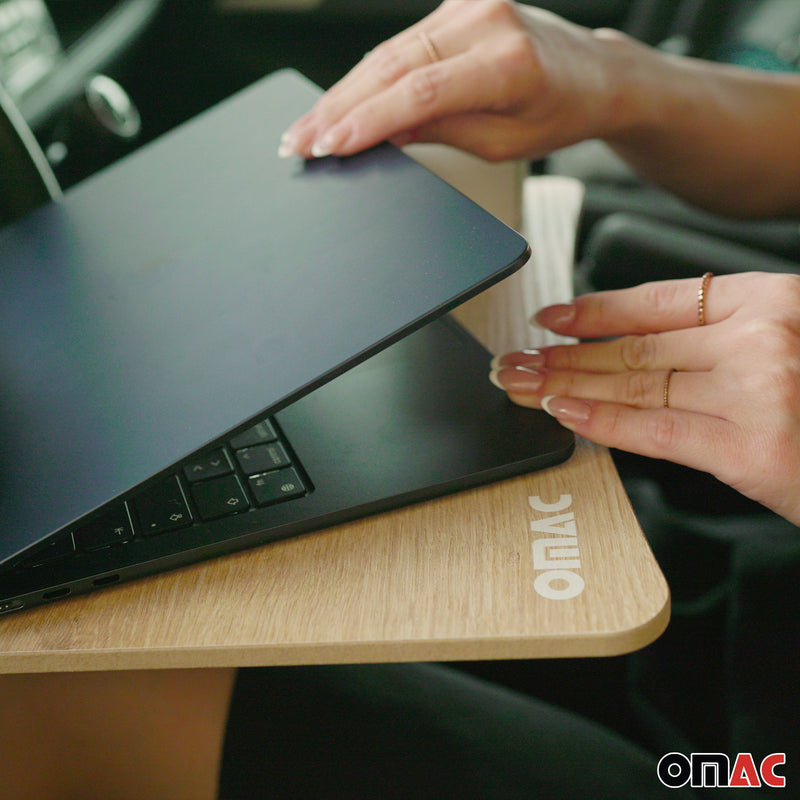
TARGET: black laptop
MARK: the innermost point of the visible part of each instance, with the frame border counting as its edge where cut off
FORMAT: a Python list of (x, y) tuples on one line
[(205, 348)]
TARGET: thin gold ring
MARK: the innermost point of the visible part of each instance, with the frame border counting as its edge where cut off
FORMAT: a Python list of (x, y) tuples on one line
[(701, 298), (430, 48), (667, 379)]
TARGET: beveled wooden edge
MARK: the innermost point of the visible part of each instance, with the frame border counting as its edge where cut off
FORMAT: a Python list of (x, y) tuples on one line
[(600, 645)]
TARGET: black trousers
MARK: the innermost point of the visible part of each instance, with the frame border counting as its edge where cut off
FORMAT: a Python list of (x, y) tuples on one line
[(722, 679), (417, 731)]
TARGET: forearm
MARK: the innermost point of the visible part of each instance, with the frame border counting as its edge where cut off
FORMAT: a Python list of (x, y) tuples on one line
[(724, 138)]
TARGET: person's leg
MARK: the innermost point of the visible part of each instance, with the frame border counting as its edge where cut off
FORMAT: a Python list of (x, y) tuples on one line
[(124, 735), (421, 731)]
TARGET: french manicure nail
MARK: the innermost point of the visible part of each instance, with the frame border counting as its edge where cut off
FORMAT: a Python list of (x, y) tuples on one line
[(329, 142), (325, 145), (288, 145), (493, 378), (516, 379), (566, 409), (320, 149), (532, 359)]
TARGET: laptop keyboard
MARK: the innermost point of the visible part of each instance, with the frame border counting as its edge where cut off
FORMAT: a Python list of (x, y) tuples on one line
[(253, 470)]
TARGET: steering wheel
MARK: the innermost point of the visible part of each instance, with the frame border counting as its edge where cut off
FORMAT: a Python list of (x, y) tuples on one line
[(26, 178)]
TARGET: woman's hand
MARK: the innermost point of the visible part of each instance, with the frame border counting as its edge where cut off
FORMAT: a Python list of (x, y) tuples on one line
[(487, 76), (733, 397), (502, 80)]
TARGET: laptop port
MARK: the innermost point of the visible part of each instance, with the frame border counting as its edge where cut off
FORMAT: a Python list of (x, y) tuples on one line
[(53, 594), (106, 580), (7, 606)]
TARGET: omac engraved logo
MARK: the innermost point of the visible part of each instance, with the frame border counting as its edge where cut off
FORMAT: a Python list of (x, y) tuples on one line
[(556, 555)]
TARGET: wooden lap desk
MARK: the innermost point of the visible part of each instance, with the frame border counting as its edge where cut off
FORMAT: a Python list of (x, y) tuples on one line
[(483, 574)]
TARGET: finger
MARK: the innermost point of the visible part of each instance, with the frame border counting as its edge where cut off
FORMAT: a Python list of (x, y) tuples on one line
[(415, 47), (689, 350), (366, 79), (382, 67), (445, 88), (400, 87), (695, 440), (401, 53), (689, 391), (647, 308)]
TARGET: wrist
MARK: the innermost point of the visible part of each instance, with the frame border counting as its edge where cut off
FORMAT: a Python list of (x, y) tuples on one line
[(638, 81)]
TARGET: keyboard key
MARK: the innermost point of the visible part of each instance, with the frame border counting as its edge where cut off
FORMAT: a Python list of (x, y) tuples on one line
[(207, 465), (163, 508), (275, 486), (259, 434), (262, 458), (112, 528), (52, 549), (219, 497)]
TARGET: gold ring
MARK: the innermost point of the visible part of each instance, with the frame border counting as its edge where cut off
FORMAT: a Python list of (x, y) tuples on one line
[(430, 48), (666, 388), (701, 298)]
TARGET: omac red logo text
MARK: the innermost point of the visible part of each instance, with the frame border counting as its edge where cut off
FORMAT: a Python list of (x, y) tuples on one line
[(717, 770)]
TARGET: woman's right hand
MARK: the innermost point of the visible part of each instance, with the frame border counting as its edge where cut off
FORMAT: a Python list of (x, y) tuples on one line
[(702, 374), (491, 77)]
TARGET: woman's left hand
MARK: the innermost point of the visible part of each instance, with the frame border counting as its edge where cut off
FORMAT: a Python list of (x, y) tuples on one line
[(723, 398), (498, 79)]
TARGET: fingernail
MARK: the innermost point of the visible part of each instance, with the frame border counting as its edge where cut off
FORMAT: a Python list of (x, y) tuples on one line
[(516, 379), (566, 409), (554, 317), (287, 146), (329, 142), (532, 359), (320, 150)]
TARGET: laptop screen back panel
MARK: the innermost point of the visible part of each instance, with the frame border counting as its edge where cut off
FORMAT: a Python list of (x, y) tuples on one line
[(202, 280)]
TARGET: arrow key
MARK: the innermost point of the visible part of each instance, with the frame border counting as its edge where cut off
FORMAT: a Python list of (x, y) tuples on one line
[(162, 508), (207, 465), (220, 497)]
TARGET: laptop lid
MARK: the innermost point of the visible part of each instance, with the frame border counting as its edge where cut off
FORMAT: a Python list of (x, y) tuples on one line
[(201, 281)]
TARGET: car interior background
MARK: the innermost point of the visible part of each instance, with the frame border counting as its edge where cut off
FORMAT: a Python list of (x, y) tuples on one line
[(82, 82)]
